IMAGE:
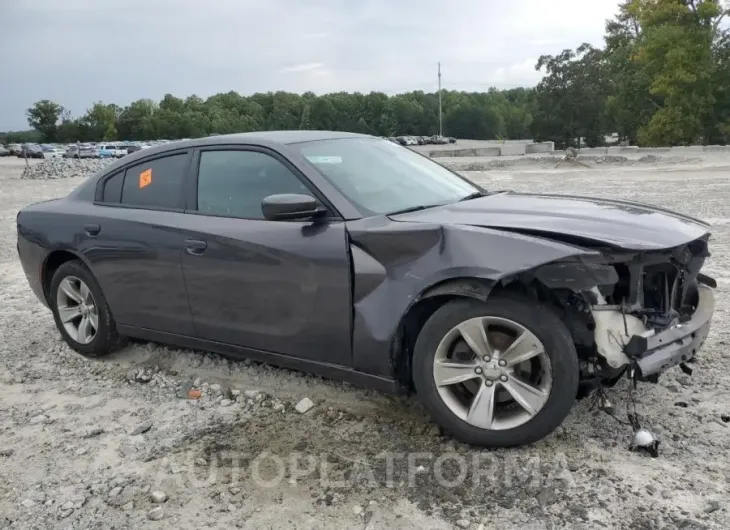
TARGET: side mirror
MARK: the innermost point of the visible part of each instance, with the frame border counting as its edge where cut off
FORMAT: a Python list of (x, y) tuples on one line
[(290, 206)]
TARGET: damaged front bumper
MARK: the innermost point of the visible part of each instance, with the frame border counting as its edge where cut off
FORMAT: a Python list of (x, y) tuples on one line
[(675, 345)]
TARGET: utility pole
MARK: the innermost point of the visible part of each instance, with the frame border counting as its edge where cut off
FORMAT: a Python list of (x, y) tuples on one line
[(441, 123)]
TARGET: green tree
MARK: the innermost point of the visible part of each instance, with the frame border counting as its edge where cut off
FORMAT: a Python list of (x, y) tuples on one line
[(43, 116), (570, 99), (676, 51)]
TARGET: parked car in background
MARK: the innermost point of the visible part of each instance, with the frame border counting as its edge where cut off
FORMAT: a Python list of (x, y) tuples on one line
[(30, 151), (106, 151), (15, 149), (134, 148), (53, 152), (4, 152), (354, 258), (80, 151)]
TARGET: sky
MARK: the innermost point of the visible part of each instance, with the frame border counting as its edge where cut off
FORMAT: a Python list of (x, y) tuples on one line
[(75, 52)]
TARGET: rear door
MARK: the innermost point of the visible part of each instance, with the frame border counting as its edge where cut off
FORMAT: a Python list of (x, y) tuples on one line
[(276, 286), (136, 242)]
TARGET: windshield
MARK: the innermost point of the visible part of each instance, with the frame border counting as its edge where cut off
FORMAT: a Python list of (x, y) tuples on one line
[(381, 177)]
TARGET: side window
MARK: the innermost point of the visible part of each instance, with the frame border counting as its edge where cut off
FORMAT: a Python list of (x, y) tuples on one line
[(233, 183), (113, 188), (157, 183)]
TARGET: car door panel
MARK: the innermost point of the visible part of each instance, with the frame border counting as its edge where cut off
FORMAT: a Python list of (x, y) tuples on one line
[(282, 287), (136, 259), (276, 286)]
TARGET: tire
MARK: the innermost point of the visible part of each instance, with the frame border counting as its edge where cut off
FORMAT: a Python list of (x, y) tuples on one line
[(105, 339), (454, 413)]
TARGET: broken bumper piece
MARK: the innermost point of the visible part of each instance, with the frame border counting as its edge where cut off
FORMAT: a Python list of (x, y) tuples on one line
[(674, 345)]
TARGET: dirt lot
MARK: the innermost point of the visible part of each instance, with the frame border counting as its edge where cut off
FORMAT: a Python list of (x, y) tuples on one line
[(85, 444)]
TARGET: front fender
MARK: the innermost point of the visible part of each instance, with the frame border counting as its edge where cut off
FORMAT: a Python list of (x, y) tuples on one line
[(395, 264)]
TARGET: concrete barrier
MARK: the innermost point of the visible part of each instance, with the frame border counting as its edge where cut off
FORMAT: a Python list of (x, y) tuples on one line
[(465, 152), (622, 150), (653, 150), (593, 151), (515, 149), (488, 151), (440, 153), (687, 149), (717, 149), (542, 147)]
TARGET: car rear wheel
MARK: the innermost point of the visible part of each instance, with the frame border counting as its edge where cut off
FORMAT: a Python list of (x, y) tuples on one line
[(499, 373), (81, 313)]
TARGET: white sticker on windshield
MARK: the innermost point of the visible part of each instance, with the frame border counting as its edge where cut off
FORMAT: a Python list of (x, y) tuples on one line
[(325, 159)]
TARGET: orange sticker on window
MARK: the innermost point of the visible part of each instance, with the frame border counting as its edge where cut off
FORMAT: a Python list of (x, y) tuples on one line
[(145, 178)]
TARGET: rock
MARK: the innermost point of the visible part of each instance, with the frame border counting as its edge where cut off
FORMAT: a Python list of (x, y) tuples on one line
[(357, 509), (235, 393), (158, 497), (40, 418), (6, 452), (712, 506), (684, 380), (28, 503), (115, 491), (61, 168), (141, 429), (304, 406), (252, 394), (155, 514), (547, 496), (231, 507), (91, 432), (226, 402), (463, 523)]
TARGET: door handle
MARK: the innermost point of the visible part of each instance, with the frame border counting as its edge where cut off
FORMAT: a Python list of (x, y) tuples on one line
[(92, 230), (195, 247)]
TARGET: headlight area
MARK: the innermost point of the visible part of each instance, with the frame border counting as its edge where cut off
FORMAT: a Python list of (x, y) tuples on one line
[(647, 311)]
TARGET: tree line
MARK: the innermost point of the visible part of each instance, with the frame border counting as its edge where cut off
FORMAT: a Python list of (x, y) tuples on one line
[(662, 78)]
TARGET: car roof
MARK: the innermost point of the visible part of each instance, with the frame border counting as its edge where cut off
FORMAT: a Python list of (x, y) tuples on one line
[(260, 138)]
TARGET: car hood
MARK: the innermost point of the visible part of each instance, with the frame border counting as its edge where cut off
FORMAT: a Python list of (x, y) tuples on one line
[(624, 224)]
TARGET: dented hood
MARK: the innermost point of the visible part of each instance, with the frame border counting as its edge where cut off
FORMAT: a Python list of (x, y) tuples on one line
[(623, 224)]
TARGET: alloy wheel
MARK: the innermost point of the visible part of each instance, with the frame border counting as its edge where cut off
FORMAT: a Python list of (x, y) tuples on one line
[(77, 310), (492, 373)]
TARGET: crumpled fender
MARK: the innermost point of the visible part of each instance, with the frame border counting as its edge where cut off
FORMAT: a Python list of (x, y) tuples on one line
[(395, 264)]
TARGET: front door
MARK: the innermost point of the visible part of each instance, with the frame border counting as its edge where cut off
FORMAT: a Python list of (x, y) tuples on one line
[(275, 286)]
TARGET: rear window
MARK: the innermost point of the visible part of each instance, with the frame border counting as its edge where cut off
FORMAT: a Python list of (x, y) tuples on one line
[(156, 184), (113, 188)]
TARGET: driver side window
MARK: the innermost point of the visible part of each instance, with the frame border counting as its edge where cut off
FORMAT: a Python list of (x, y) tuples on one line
[(233, 183)]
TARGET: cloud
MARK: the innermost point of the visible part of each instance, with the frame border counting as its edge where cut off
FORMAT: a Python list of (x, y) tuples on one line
[(304, 67), (82, 51)]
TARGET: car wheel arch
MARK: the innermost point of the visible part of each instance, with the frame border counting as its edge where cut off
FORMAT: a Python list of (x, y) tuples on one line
[(419, 311), (53, 261)]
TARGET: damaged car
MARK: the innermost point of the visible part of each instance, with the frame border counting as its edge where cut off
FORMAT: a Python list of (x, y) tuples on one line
[(355, 258)]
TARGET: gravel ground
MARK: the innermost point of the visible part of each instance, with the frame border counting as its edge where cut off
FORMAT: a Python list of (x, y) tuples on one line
[(122, 443)]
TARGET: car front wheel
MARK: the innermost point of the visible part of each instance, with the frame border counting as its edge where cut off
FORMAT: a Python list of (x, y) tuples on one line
[(499, 373), (81, 313)]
